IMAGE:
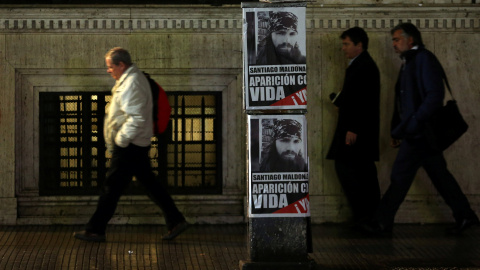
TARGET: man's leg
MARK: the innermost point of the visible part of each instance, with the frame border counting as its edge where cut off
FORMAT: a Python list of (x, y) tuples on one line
[(448, 188), (372, 195), (118, 177), (360, 183), (404, 169), (155, 189)]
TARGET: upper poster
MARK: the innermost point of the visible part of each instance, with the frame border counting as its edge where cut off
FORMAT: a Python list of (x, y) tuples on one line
[(275, 69)]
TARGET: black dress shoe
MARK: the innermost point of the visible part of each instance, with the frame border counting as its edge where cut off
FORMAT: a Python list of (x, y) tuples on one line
[(376, 229), (90, 237), (462, 225), (178, 229)]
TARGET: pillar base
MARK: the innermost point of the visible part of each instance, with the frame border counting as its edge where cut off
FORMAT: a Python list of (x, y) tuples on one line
[(250, 265), (8, 211)]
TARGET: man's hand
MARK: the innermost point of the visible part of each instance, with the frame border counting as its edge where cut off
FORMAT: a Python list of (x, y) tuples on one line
[(395, 143), (351, 138)]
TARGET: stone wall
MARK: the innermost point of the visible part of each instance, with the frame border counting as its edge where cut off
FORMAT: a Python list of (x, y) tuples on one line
[(451, 33), (192, 48)]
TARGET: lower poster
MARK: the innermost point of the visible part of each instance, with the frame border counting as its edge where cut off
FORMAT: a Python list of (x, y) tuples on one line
[(278, 166)]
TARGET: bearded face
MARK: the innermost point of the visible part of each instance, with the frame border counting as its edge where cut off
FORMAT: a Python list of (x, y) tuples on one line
[(283, 29), (289, 147), (284, 41)]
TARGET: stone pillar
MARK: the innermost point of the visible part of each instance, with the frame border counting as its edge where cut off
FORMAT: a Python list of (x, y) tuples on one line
[(8, 201), (279, 235), (275, 100), (278, 243)]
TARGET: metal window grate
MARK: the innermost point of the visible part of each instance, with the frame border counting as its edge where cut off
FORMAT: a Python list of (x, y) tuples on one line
[(74, 160), (194, 151)]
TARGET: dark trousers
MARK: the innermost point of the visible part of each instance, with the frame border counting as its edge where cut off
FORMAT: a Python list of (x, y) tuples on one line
[(359, 181), (412, 155), (126, 163)]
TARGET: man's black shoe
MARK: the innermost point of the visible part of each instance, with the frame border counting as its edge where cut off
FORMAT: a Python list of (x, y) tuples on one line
[(462, 225), (90, 237), (376, 229), (178, 229)]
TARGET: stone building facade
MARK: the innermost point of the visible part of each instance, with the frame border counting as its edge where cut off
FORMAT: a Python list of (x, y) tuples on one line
[(199, 48)]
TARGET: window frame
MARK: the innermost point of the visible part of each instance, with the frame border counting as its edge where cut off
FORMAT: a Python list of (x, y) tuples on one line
[(47, 178)]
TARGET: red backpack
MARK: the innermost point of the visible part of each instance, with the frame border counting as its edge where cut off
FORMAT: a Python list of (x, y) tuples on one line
[(161, 107)]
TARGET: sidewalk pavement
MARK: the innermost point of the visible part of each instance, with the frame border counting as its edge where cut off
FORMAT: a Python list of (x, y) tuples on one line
[(209, 247)]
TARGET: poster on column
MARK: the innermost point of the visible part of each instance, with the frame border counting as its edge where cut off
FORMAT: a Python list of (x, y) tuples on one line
[(275, 70), (278, 166)]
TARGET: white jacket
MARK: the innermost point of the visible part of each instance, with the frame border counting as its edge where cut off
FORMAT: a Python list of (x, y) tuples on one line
[(128, 118)]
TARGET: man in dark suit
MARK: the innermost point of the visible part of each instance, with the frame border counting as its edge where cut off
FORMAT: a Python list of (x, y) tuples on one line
[(355, 144), (419, 93)]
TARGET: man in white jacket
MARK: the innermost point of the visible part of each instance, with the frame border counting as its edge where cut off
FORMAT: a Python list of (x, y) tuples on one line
[(128, 129)]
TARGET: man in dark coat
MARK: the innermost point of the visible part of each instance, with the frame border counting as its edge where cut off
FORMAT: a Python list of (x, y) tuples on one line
[(419, 93), (355, 144)]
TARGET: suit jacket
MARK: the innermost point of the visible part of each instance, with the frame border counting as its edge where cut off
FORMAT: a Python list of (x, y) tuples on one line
[(358, 111)]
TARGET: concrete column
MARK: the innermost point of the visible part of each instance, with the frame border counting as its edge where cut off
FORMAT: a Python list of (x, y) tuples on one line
[(278, 201), (278, 243)]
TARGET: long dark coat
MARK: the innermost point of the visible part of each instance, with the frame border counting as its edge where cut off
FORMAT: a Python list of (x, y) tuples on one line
[(419, 93), (358, 111)]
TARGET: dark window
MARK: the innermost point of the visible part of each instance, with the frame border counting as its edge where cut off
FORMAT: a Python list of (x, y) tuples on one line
[(73, 156), (194, 151)]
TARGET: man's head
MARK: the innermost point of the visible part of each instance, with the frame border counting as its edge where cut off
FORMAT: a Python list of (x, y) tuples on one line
[(117, 60), (283, 30), (405, 36), (287, 136), (354, 42)]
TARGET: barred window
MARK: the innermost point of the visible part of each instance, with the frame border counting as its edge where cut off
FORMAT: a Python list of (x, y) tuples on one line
[(73, 156)]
